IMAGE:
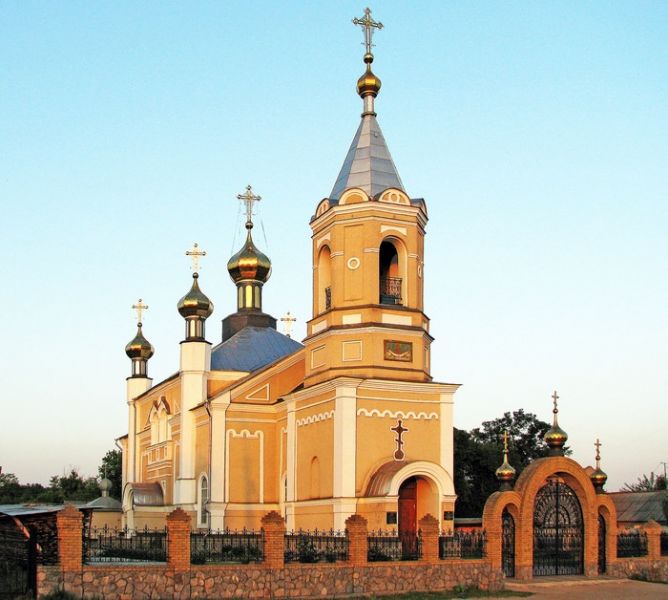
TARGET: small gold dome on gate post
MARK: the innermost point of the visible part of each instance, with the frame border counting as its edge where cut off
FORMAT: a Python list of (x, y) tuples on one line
[(506, 472), (555, 437)]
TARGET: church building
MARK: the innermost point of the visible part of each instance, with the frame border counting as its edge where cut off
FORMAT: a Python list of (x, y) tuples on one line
[(350, 420)]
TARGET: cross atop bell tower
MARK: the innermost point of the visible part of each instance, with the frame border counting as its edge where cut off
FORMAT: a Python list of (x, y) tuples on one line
[(368, 24), (249, 199)]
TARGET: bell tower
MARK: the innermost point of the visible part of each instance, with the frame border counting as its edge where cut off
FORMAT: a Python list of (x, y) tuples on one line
[(368, 252)]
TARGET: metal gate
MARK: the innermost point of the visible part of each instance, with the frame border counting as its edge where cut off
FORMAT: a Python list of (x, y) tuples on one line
[(558, 531), (601, 544), (17, 564), (508, 544)]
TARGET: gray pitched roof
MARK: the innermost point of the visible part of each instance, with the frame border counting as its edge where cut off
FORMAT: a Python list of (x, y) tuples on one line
[(368, 164), (251, 349), (639, 507)]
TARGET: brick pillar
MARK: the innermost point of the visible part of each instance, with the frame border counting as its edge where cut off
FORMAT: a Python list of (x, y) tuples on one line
[(273, 528), (70, 543), (358, 542), (429, 532), (653, 531), (178, 540)]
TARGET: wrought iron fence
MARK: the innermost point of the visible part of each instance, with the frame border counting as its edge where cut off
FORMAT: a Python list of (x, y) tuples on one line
[(226, 546), (107, 544), (462, 544), (328, 298), (393, 545), (17, 564), (631, 543), (390, 290), (315, 546), (664, 543)]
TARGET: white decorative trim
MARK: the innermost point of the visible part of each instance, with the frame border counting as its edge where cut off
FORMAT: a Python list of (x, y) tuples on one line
[(325, 238), (401, 230), (391, 319), (351, 319), (374, 412), (349, 347), (314, 418), (318, 327), (261, 393), (244, 433), (372, 250), (335, 254), (314, 364), (353, 263)]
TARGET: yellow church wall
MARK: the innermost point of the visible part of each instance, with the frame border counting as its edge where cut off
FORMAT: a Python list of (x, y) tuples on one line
[(202, 446), (376, 513), (100, 519), (269, 385), (245, 466), (315, 441), (314, 515)]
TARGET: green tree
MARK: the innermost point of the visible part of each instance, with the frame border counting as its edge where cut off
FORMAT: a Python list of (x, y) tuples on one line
[(478, 453), (646, 484), (112, 467), (73, 487)]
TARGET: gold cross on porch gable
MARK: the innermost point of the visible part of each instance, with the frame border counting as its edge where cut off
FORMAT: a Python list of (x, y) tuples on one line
[(400, 430)]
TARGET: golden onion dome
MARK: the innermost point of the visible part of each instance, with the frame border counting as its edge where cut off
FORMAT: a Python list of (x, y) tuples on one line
[(195, 303), (598, 478), (139, 346), (556, 437), (249, 262), (368, 83), (506, 472)]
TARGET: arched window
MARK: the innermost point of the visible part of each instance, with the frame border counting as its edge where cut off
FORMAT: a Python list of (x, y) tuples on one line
[(389, 274), (203, 499), (324, 280)]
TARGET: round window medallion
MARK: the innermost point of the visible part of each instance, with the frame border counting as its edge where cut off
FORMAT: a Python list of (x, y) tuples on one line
[(419, 270), (353, 263)]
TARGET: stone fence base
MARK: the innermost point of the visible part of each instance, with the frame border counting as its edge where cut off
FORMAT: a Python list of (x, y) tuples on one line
[(646, 569), (148, 582)]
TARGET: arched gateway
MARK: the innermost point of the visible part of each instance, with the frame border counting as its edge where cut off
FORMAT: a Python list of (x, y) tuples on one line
[(555, 520)]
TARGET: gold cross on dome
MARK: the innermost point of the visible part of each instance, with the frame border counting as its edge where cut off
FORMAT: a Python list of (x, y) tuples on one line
[(248, 198), (288, 321), (598, 451), (368, 24), (195, 254), (505, 442), (140, 307), (555, 397)]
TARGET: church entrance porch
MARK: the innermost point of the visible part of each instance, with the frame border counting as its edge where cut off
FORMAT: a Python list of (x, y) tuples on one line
[(558, 531), (408, 517)]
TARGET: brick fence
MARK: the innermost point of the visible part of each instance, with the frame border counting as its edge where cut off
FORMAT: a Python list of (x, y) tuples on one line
[(270, 579)]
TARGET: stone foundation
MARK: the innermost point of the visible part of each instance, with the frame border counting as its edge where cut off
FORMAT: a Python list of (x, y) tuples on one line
[(646, 569), (147, 582)]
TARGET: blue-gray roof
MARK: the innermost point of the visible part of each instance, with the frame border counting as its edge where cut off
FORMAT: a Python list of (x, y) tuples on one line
[(251, 349)]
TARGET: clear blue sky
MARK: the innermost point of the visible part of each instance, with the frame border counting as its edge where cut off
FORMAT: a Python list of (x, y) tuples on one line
[(536, 131)]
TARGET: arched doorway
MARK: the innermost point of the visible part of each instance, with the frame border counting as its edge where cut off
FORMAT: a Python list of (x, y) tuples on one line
[(508, 544), (558, 531)]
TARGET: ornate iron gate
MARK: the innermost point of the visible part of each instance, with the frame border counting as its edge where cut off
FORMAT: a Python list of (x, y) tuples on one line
[(17, 564), (508, 544), (601, 544), (558, 531)]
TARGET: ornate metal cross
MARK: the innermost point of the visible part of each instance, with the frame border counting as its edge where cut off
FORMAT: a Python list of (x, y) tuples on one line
[(400, 429), (598, 452), (248, 198), (368, 24), (140, 307), (555, 397), (288, 321), (505, 443), (195, 254)]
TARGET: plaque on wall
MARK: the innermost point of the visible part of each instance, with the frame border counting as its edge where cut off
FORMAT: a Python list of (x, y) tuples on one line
[(391, 518), (448, 515), (401, 351)]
